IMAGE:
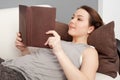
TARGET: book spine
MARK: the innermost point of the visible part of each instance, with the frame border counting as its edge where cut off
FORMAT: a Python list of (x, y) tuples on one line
[(22, 23), (29, 30)]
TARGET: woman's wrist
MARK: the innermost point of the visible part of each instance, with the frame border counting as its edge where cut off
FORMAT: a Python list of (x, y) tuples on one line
[(57, 49), (25, 51), (59, 52)]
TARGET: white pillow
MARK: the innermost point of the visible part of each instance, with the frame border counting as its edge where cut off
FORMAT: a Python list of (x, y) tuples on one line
[(100, 76)]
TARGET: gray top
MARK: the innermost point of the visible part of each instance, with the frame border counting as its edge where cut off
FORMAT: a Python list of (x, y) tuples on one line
[(42, 64)]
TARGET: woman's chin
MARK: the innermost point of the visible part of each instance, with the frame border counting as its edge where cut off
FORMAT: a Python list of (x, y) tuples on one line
[(71, 33)]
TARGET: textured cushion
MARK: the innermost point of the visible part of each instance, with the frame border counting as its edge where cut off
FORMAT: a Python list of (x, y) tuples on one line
[(62, 29), (104, 41)]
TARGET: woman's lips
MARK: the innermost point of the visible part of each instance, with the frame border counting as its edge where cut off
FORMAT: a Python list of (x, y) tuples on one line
[(71, 27)]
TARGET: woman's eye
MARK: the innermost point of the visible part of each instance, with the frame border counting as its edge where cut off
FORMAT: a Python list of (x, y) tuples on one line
[(79, 19), (72, 17)]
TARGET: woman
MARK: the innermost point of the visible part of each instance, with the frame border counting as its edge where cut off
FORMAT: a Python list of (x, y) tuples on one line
[(74, 60)]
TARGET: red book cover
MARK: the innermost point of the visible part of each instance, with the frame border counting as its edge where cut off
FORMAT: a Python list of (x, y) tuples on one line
[(34, 22)]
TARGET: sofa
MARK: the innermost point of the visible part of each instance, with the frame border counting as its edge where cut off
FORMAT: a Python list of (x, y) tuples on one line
[(9, 24), (118, 50)]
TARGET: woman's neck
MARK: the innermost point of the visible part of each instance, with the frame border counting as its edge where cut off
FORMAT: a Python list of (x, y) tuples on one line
[(80, 39)]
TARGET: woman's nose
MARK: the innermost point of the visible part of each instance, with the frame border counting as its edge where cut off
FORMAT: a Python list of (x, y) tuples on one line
[(73, 20)]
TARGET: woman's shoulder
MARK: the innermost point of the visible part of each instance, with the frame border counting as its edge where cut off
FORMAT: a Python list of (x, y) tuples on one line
[(90, 50)]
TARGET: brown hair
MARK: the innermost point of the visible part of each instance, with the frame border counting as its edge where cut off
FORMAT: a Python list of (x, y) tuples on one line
[(95, 19)]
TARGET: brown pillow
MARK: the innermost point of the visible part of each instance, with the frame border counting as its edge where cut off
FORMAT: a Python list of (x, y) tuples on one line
[(103, 39), (62, 30)]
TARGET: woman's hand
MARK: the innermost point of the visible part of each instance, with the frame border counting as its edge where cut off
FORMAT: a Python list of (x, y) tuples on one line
[(20, 45), (54, 42)]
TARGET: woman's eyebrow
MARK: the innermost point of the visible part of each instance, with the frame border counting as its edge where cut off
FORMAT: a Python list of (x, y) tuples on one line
[(78, 15)]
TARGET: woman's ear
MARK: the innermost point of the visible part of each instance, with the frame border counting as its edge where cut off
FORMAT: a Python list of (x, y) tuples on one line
[(91, 29)]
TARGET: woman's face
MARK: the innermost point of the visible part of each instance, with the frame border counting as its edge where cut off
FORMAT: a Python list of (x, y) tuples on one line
[(79, 24)]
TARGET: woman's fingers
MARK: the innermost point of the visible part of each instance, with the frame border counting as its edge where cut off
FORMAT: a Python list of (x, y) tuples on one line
[(49, 40), (46, 43), (18, 34), (18, 41), (54, 33), (18, 38), (19, 44)]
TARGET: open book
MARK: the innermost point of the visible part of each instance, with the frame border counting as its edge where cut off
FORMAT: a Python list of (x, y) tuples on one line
[(34, 22)]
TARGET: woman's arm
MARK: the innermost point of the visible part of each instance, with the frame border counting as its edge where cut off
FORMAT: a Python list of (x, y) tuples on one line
[(88, 68), (89, 63)]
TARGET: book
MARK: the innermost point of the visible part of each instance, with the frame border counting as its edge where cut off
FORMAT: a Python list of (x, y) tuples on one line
[(34, 22)]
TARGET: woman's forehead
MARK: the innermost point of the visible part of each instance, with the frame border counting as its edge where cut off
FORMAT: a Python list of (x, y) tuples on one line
[(81, 13)]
